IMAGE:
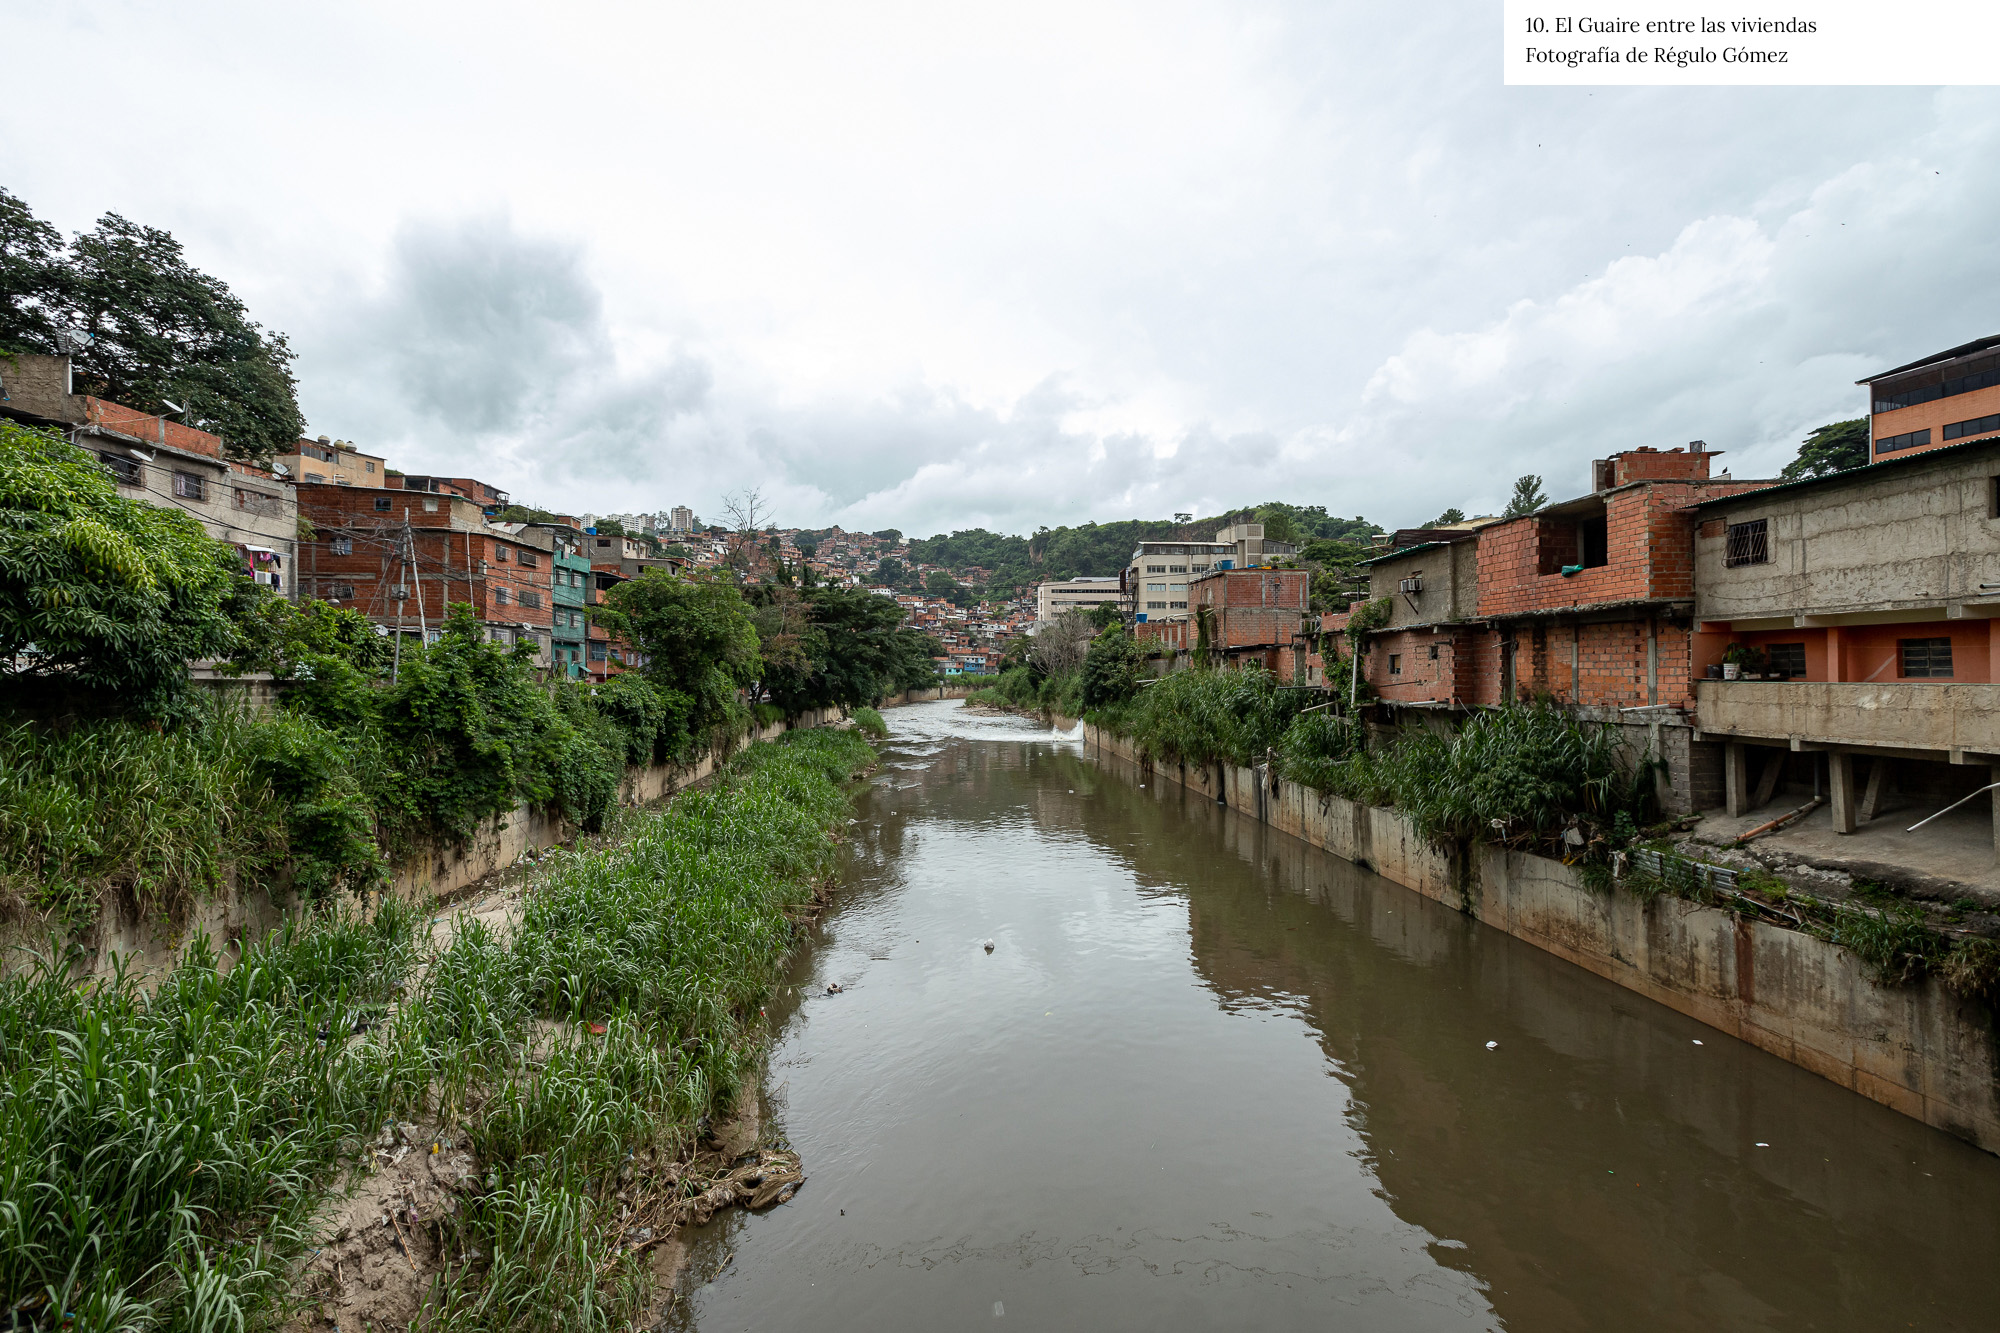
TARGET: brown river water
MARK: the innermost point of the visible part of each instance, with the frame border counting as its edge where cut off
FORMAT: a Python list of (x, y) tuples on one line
[(1212, 1078)]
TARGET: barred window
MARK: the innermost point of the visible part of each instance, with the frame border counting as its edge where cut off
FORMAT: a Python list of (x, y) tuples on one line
[(340, 592), (499, 597), (125, 469), (528, 560), (382, 503), (1749, 544), (1926, 659), (340, 545), (188, 486), (528, 598), (1788, 660)]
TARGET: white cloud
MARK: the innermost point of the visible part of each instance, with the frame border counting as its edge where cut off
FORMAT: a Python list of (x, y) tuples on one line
[(930, 267)]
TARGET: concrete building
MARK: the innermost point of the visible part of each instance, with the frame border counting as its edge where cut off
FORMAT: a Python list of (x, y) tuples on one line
[(1155, 580), (1052, 599), (1868, 606), (1942, 399), (1428, 654), (1250, 549), (680, 519), (336, 461), (166, 464), (573, 593)]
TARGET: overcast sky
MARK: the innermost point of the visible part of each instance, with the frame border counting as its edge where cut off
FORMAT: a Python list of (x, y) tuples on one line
[(934, 266)]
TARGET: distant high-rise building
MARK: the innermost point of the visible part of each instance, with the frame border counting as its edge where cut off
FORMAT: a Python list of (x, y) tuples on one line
[(680, 519)]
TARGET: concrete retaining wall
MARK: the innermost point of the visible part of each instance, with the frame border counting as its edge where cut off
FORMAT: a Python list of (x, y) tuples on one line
[(1919, 1049)]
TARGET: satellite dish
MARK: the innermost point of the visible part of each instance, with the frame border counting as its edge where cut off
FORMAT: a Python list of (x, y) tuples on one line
[(72, 340), (281, 470), (140, 454), (173, 405)]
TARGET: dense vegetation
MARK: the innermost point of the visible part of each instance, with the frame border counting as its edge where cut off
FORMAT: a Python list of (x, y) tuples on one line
[(162, 1156), (120, 780)]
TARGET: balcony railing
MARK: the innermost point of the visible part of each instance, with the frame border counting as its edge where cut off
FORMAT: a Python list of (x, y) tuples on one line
[(1914, 715)]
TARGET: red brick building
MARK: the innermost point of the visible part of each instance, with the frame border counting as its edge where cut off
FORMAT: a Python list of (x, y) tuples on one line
[(402, 557), (1588, 603), (1253, 616)]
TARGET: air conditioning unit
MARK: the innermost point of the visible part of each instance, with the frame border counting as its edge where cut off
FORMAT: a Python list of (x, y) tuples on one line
[(1412, 585)]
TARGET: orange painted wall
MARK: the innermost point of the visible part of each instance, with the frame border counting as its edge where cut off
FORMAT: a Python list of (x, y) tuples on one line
[(1936, 414), (1869, 652)]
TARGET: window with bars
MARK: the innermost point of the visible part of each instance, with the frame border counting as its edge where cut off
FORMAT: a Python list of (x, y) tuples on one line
[(188, 486), (499, 597), (126, 470), (1749, 543), (382, 504), (340, 592), (340, 545), (1787, 660), (528, 598), (1926, 659), (528, 560)]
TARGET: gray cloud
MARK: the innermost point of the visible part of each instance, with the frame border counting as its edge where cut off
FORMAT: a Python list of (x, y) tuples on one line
[(1172, 259)]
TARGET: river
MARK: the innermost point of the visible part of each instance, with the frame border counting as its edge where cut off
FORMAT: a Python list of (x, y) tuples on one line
[(1212, 1078)]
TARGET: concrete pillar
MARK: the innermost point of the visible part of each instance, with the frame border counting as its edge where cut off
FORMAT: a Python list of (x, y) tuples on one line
[(1736, 778), (1840, 769), (1836, 658)]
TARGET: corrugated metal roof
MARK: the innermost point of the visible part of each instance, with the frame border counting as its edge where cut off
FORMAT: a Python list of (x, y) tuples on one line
[(1865, 470), (1949, 354)]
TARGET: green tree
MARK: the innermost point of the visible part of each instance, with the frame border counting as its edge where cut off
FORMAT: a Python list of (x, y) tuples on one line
[(696, 634), (1834, 447), (1452, 515), (1527, 497), (99, 595), (890, 573), (163, 330), (1112, 668), (1278, 524), (31, 278)]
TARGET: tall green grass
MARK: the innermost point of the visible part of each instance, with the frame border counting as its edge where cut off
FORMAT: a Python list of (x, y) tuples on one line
[(162, 1156), (1204, 716), (870, 724), (159, 818), (1021, 687)]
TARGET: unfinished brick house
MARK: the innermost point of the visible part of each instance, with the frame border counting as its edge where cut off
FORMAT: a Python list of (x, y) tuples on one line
[(1427, 655), (1253, 616), (400, 557), (1588, 603)]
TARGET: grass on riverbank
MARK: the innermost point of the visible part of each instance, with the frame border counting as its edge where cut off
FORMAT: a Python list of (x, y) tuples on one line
[(163, 1157)]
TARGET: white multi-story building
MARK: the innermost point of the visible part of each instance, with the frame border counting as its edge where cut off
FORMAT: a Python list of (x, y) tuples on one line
[(680, 519), (1052, 599), (1155, 581)]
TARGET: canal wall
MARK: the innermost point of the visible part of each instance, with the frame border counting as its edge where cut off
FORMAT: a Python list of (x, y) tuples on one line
[(1919, 1049)]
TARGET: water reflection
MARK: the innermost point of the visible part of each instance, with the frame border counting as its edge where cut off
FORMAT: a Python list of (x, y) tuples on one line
[(1211, 1078)]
